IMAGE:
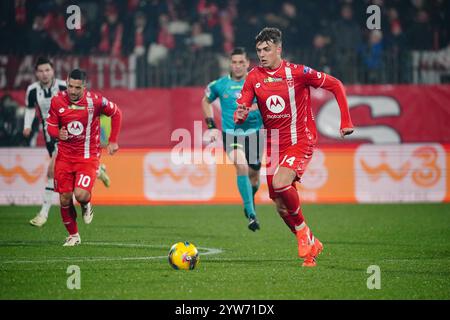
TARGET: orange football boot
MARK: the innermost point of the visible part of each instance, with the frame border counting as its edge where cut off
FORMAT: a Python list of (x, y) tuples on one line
[(304, 246), (310, 260)]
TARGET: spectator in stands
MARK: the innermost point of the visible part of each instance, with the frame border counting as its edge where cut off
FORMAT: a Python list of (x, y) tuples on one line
[(10, 128), (227, 31), (288, 21), (247, 27), (13, 17), (395, 37), (39, 39), (55, 25), (439, 15), (140, 36), (320, 57), (165, 38), (371, 54), (83, 38), (346, 38), (111, 33), (420, 34), (198, 39)]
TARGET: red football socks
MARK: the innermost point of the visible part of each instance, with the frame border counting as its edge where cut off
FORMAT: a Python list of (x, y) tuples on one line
[(69, 218), (291, 200)]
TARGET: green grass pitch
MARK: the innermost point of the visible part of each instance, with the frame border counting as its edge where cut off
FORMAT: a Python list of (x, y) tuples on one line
[(124, 254)]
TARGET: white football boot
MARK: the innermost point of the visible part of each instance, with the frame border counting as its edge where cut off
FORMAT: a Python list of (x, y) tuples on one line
[(87, 213), (39, 220), (72, 240), (103, 176)]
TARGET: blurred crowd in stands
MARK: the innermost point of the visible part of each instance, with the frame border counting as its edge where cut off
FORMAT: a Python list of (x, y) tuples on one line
[(122, 27), (329, 35)]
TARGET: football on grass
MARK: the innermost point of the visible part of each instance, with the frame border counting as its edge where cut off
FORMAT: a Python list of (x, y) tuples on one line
[(183, 256)]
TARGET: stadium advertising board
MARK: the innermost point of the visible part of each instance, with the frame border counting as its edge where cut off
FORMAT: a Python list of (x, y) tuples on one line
[(364, 174)]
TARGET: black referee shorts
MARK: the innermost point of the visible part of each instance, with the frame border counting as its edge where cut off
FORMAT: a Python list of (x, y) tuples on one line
[(252, 145)]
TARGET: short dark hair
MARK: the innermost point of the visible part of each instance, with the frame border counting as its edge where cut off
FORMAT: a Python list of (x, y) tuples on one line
[(238, 50), (269, 35), (78, 74), (41, 61)]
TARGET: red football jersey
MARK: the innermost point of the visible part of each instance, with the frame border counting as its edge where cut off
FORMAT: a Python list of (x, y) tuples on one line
[(284, 101), (82, 121)]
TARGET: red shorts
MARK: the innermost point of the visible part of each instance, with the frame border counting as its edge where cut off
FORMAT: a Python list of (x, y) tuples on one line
[(70, 175), (295, 157)]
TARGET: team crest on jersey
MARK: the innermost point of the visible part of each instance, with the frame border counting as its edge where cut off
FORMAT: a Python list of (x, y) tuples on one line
[(290, 82), (75, 127), (275, 104), (306, 70)]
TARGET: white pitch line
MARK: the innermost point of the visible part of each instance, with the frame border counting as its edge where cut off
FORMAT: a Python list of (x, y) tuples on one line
[(209, 251)]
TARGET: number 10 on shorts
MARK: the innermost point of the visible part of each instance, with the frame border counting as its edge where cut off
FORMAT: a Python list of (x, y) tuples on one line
[(84, 181)]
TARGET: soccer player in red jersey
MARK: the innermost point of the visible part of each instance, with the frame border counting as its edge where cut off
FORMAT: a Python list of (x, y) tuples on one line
[(74, 119), (282, 90)]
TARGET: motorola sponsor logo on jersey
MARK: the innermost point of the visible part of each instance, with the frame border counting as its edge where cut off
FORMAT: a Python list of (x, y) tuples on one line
[(275, 104), (75, 127)]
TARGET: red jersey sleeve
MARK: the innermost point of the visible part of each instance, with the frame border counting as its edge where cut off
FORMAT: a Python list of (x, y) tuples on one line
[(247, 93), (312, 77), (325, 81), (112, 110), (108, 108), (53, 120)]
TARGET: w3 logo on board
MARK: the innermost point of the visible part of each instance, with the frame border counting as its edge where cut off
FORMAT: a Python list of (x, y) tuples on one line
[(165, 180), (405, 172)]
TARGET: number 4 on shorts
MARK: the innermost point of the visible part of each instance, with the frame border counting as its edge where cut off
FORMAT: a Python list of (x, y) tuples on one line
[(290, 160)]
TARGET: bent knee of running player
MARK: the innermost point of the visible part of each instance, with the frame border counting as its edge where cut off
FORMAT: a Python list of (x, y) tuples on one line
[(65, 199), (283, 177), (82, 195)]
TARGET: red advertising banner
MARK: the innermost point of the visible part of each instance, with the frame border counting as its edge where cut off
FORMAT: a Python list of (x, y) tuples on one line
[(388, 113), (382, 114)]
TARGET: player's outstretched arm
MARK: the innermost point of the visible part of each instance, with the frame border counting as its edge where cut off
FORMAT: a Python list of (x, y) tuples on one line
[(241, 114), (245, 100), (337, 88)]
